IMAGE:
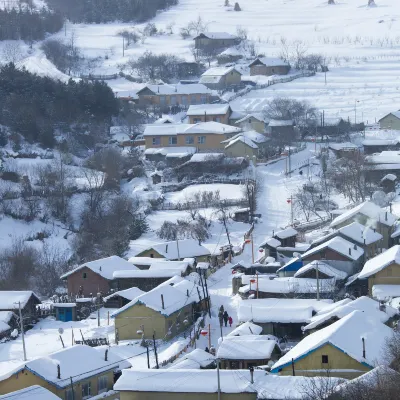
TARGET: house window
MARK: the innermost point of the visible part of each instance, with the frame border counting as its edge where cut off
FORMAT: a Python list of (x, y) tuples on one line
[(325, 359), (151, 255), (173, 100), (172, 140), (203, 99), (273, 70), (217, 119), (184, 100), (201, 140), (69, 395), (86, 390), (196, 120), (389, 272), (189, 140), (102, 384), (84, 275), (163, 100), (193, 99), (156, 141)]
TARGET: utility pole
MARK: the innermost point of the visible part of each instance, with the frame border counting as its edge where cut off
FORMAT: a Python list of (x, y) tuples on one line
[(252, 248), (148, 357), (22, 329), (123, 46), (219, 383), (209, 336), (317, 273), (208, 296), (72, 389), (290, 164), (177, 247), (257, 284), (291, 209), (155, 351)]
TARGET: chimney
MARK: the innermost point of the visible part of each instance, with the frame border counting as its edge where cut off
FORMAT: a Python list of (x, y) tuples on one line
[(386, 216), (251, 374), (364, 242), (350, 251), (100, 268), (162, 302), (355, 247), (363, 342), (374, 230), (187, 292), (382, 307), (166, 248), (58, 371), (106, 355)]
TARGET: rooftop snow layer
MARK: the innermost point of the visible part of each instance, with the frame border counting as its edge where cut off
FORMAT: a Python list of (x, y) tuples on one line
[(9, 299), (248, 328), (201, 157), (186, 381), (166, 151), (322, 267), (280, 310), (380, 142), (208, 109), (244, 140), (342, 146), (346, 335), (389, 177), (128, 294), (368, 306), (276, 122), (105, 267), (370, 210), (271, 61), (146, 273), (252, 135), (218, 71), (341, 246), (218, 35), (381, 261), (199, 356), (166, 89), (212, 127), (286, 233), (142, 261), (187, 248), (34, 392), (360, 233), (272, 242), (174, 300), (249, 347), (385, 157), (180, 266), (385, 292), (259, 117), (165, 129)]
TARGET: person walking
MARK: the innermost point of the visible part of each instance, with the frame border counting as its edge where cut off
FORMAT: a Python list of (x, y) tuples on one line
[(221, 317), (230, 320), (207, 350), (221, 309), (226, 316)]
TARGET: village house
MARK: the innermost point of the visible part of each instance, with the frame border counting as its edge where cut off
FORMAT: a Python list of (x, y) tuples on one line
[(122, 297), (162, 311), (269, 66), (181, 95), (34, 392), (140, 384), (390, 121), (247, 144), (372, 146), (364, 236), (348, 348), (172, 156), (371, 308), (95, 276), (337, 252), (245, 329), (281, 130), (383, 270), (221, 78), (210, 112), (199, 136), (381, 164), (10, 300), (177, 250), (323, 270), (230, 55), (245, 351), (8, 322), (343, 149), (252, 122), (281, 317), (81, 369), (388, 183), (215, 40), (368, 214), (196, 359)]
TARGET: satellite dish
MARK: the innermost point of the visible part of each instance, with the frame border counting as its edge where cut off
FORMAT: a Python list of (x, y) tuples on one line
[(60, 331)]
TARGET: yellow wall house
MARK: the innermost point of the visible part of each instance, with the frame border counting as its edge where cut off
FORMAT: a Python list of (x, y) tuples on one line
[(34, 392), (252, 122), (382, 272), (164, 311), (348, 348), (390, 121), (209, 112), (176, 384), (177, 250), (91, 374)]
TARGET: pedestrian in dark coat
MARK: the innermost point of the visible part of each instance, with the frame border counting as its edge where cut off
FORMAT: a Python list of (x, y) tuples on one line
[(221, 309), (221, 318), (207, 350), (226, 316), (230, 320)]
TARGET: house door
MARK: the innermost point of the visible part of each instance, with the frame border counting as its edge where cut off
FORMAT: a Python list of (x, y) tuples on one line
[(68, 315), (61, 314)]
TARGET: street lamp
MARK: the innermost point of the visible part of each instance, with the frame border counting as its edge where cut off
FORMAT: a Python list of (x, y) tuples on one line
[(355, 111)]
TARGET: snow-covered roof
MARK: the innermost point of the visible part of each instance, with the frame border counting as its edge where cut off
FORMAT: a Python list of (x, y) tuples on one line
[(104, 267), (394, 113), (339, 245), (201, 157), (146, 273), (342, 146), (142, 261), (270, 62), (218, 72), (166, 89), (217, 35), (380, 142), (164, 120), (368, 306), (9, 299), (181, 151), (79, 362), (6, 316), (389, 177), (287, 285), (322, 267), (161, 264), (346, 335), (128, 294), (208, 109), (280, 310), (385, 292), (385, 157), (185, 286), (247, 328), (212, 127), (284, 122), (272, 242), (231, 51), (242, 139), (174, 300), (360, 233), (34, 392), (165, 129), (381, 261), (258, 117), (64, 305), (185, 381), (286, 233), (248, 347), (187, 248), (199, 356), (370, 210)]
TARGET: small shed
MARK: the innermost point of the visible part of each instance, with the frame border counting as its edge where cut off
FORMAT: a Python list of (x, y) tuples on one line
[(269, 66), (241, 215), (157, 177), (65, 312), (388, 183)]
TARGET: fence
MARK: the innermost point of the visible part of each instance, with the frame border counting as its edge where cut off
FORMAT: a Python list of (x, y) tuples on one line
[(99, 77), (188, 205), (183, 185), (270, 83)]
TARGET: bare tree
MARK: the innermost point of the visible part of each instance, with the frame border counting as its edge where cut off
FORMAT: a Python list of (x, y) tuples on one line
[(198, 25), (251, 191), (371, 3), (12, 52)]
